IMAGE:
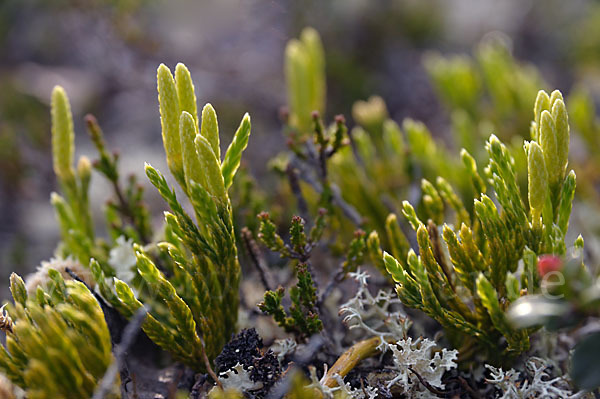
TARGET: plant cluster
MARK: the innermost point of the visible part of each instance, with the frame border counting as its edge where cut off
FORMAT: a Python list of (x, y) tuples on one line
[(486, 239), (303, 318), (485, 250), (199, 302), (57, 341), (199, 258)]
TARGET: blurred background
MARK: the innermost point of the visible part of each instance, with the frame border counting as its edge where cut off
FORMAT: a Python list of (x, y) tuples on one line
[(105, 53)]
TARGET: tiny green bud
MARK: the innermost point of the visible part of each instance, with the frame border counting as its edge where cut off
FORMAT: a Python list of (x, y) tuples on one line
[(393, 267), (210, 168), (578, 244), (432, 201), (169, 120), (411, 215), (297, 235), (84, 168), (185, 91), (471, 166), (375, 252), (555, 96), (210, 129), (17, 289), (268, 233), (63, 135), (125, 293), (542, 103), (191, 163), (561, 122), (371, 113), (537, 180), (549, 145), (233, 156)]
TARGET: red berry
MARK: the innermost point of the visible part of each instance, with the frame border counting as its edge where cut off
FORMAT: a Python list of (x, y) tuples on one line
[(549, 263)]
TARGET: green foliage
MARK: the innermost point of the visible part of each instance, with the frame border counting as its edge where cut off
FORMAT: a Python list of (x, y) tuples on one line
[(489, 89), (384, 163), (301, 245), (302, 317), (467, 289), (169, 118), (477, 245), (305, 77), (231, 163), (59, 346), (127, 215), (63, 136), (72, 211), (356, 252), (195, 311)]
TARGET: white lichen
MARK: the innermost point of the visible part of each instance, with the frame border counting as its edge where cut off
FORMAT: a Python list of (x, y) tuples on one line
[(538, 384), (376, 316), (238, 378), (283, 347), (420, 357), (373, 314), (343, 389)]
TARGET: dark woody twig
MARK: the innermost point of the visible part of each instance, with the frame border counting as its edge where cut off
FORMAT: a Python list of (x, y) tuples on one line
[(257, 258), (292, 174), (349, 211)]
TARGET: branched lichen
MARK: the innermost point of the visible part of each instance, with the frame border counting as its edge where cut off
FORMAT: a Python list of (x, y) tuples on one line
[(538, 382)]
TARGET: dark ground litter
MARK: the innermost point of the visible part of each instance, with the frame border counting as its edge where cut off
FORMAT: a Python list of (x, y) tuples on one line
[(247, 349)]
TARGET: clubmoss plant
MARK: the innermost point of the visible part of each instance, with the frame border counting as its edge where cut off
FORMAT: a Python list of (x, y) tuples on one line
[(468, 289), (195, 310), (126, 214), (305, 77), (73, 209), (480, 241), (58, 345)]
